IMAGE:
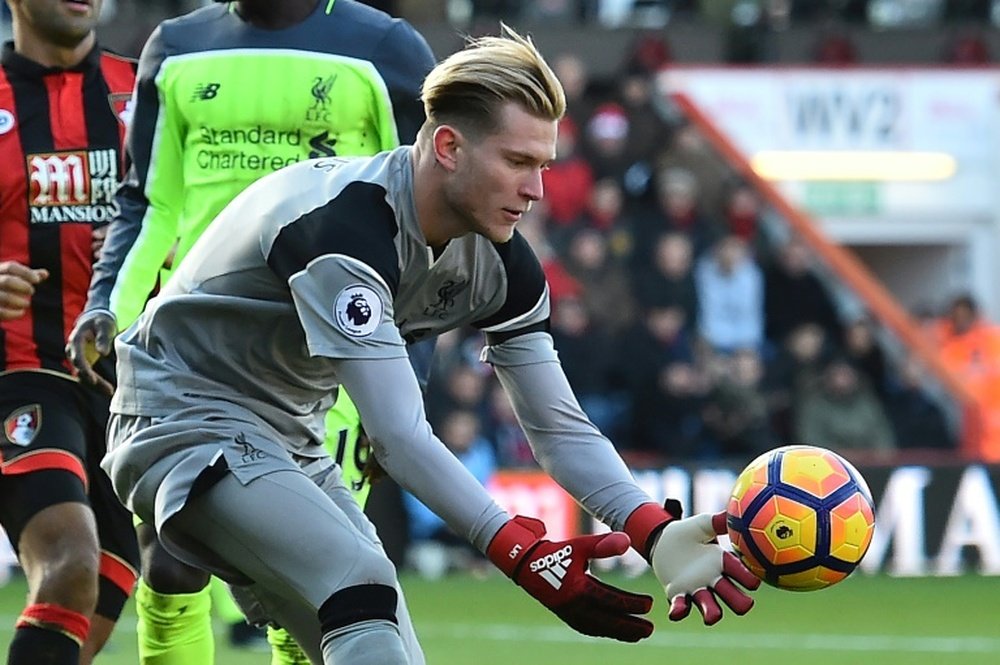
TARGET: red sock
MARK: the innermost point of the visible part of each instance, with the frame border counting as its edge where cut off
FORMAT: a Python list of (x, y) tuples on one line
[(48, 634)]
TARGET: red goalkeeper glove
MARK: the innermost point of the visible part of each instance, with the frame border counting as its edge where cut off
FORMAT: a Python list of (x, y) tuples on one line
[(555, 574), (689, 562)]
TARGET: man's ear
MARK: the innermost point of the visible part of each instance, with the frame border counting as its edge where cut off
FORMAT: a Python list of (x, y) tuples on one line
[(446, 141)]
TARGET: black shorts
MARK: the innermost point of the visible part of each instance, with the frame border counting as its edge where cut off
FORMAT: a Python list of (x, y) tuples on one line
[(51, 447)]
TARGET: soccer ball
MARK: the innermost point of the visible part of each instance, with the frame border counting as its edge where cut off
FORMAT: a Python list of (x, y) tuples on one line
[(800, 517)]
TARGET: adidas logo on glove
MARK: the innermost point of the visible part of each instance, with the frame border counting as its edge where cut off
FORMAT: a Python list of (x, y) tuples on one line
[(552, 567)]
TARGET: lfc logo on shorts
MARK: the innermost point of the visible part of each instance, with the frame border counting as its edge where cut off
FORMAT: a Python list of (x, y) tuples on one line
[(22, 425)]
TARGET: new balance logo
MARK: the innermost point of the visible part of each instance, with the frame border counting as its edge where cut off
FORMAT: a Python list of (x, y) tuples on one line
[(553, 566), (206, 91)]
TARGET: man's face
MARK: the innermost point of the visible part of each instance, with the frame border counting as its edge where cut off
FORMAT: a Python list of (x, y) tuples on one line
[(962, 317), (62, 22), (498, 176)]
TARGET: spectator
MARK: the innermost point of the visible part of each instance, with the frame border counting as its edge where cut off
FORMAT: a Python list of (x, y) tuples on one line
[(657, 340), (689, 151), (605, 212), (670, 279), (607, 145), (649, 54), (747, 35), (605, 287), (575, 78), (649, 131), (794, 372), (735, 411), (742, 213), (667, 413), (862, 349), (794, 295), (917, 420), (462, 386), (587, 356), (843, 413), (971, 348), (835, 49), (569, 179), (730, 288), (677, 209), (532, 227), (968, 50)]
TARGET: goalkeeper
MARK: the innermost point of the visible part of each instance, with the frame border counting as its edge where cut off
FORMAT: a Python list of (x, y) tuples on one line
[(316, 277), (225, 95)]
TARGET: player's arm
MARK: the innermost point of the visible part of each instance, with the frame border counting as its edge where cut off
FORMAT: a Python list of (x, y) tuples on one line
[(150, 199), (682, 552), (145, 228)]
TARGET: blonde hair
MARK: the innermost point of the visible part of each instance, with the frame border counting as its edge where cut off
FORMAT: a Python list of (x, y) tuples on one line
[(468, 88)]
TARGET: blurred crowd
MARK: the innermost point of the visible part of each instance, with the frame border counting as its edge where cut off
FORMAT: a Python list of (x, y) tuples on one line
[(686, 332), (749, 29)]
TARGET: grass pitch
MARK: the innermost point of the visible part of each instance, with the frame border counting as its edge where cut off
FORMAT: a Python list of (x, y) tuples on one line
[(467, 621)]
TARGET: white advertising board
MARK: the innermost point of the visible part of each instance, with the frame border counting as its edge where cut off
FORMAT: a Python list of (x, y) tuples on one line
[(910, 111)]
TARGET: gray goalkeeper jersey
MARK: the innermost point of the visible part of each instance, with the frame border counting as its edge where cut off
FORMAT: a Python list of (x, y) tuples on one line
[(322, 266)]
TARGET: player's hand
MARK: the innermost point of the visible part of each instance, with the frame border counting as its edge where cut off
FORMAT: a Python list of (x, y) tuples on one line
[(555, 574), (691, 565), (17, 285), (90, 339)]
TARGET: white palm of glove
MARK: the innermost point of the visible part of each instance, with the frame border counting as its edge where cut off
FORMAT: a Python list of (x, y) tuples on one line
[(685, 559), (691, 566)]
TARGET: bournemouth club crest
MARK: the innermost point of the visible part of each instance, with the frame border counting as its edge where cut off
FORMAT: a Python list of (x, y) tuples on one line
[(122, 103), (22, 425)]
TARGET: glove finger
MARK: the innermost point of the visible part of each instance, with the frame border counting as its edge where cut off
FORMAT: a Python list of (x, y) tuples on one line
[(593, 621), (734, 568), (603, 545), (680, 607), (719, 523), (731, 595), (709, 607), (617, 600)]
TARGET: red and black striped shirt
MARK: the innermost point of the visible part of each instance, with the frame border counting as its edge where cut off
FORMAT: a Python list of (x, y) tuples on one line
[(61, 158)]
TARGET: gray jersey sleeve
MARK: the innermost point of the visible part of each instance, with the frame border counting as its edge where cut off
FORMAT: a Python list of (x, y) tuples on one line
[(345, 309), (388, 398), (566, 444)]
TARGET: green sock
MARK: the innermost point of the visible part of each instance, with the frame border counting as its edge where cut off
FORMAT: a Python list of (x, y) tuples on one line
[(284, 649), (222, 602), (174, 629)]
